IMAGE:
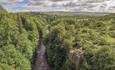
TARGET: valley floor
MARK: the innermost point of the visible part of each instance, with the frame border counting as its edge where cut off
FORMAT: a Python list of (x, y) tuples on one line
[(41, 60)]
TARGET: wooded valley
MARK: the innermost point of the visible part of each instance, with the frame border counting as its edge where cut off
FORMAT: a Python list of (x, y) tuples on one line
[(72, 42)]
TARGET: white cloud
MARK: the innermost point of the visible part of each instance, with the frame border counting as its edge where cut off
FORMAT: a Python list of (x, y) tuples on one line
[(69, 5)]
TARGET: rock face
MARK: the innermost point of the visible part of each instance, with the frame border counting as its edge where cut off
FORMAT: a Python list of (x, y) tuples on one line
[(76, 53), (41, 60), (76, 56)]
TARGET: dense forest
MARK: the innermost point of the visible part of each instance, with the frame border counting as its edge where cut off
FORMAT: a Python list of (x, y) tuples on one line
[(18, 40), (81, 43), (72, 42)]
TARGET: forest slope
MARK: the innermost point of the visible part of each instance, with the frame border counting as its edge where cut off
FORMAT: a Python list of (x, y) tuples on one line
[(19, 35)]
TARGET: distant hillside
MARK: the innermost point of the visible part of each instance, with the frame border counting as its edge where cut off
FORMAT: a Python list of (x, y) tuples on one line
[(73, 13), (2, 10)]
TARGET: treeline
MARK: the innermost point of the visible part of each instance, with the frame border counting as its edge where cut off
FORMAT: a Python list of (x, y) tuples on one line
[(19, 35), (81, 43)]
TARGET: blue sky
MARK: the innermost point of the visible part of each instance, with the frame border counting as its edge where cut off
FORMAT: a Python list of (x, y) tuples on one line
[(59, 5), (14, 5)]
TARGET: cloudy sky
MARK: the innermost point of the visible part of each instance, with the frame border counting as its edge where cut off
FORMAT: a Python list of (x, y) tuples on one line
[(59, 5)]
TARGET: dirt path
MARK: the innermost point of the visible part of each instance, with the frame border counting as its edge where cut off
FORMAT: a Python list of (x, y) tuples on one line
[(41, 60)]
